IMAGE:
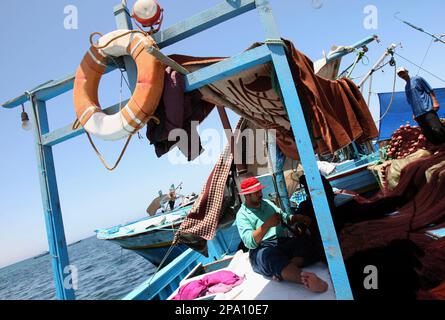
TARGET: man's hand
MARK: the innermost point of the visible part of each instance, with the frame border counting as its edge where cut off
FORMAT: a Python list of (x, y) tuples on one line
[(273, 220), (302, 219), (435, 102)]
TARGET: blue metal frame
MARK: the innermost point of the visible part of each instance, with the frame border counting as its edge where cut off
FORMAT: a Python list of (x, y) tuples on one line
[(270, 52), (304, 145), (277, 159)]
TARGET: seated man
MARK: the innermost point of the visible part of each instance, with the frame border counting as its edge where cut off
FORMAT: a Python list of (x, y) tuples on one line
[(271, 253)]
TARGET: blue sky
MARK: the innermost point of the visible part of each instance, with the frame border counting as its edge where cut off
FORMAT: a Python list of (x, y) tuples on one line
[(36, 48)]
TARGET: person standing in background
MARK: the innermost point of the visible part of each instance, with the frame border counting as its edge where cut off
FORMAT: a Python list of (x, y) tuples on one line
[(424, 104), (172, 197)]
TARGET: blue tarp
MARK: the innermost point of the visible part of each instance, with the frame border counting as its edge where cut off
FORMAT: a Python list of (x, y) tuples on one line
[(400, 112)]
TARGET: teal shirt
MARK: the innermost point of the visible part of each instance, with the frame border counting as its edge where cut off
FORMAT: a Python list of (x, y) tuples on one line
[(250, 219)]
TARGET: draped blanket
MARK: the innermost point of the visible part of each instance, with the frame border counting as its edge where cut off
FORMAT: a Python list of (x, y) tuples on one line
[(335, 111), (419, 199)]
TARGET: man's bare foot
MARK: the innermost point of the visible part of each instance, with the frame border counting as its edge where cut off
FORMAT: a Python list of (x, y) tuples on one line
[(276, 279), (313, 283)]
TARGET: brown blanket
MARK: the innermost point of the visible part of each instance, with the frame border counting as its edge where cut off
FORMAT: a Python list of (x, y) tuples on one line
[(420, 205), (335, 110)]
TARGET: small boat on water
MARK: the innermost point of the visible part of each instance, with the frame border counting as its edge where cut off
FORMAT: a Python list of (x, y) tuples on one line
[(150, 237), (354, 175)]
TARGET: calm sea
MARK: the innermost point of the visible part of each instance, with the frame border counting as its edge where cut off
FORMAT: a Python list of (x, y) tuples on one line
[(104, 270)]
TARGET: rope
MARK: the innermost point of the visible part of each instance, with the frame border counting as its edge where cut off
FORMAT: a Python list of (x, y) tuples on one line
[(419, 67), (162, 262), (230, 243), (76, 125), (370, 87), (426, 53), (392, 95), (160, 265), (275, 41), (360, 56), (156, 119), (102, 158), (112, 39), (436, 38)]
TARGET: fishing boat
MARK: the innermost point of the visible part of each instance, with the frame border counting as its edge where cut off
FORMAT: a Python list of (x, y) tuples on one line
[(354, 175), (150, 237)]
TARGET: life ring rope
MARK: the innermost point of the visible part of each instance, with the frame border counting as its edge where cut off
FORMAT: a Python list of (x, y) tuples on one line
[(114, 38), (102, 159)]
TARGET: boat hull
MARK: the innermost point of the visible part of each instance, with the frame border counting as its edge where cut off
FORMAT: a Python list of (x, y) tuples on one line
[(152, 246), (358, 179)]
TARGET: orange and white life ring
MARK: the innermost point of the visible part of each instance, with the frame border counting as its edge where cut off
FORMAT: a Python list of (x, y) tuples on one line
[(142, 104)]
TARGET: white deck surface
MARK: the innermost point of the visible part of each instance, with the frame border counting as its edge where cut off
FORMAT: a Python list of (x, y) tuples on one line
[(258, 287)]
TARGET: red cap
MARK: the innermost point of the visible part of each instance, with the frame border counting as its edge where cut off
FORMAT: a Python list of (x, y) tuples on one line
[(250, 185)]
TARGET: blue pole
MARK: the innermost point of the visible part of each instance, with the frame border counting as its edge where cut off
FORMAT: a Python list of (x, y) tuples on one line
[(304, 145), (277, 159), (356, 45), (51, 205), (123, 21), (356, 152)]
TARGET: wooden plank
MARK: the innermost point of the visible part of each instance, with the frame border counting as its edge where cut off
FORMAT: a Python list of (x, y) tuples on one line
[(302, 138), (227, 68), (203, 21), (65, 133), (156, 284), (22, 98), (51, 205), (180, 31), (329, 236), (123, 21), (356, 45), (195, 80), (48, 90)]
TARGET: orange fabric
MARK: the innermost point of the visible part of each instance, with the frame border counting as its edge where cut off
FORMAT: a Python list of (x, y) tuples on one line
[(337, 108)]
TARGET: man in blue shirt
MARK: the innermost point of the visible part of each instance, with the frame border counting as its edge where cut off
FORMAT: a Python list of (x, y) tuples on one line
[(424, 105), (272, 253)]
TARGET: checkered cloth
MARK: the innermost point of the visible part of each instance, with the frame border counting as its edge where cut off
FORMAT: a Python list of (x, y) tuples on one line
[(202, 221)]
